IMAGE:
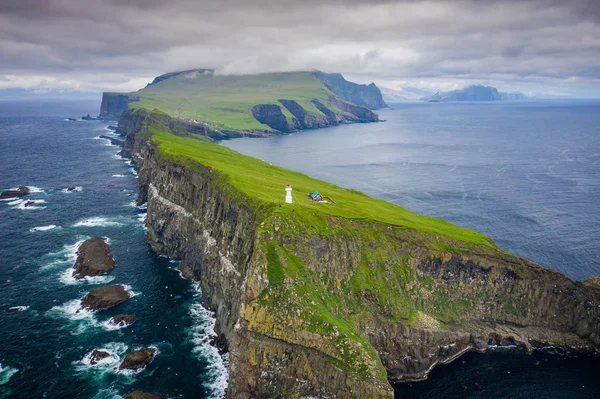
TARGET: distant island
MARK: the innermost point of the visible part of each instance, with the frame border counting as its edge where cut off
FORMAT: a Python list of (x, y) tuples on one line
[(476, 93), (469, 93)]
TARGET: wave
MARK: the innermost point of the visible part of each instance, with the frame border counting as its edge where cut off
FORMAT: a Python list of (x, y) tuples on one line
[(67, 278), (72, 311), (115, 351), (27, 204), (130, 290), (203, 333), (42, 228), (118, 175), (34, 189), (66, 190), (109, 326), (97, 222), (6, 373), (67, 255), (19, 308)]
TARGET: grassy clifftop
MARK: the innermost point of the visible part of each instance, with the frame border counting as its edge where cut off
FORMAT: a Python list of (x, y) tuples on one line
[(277, 102), (369, 288), (265, 183)]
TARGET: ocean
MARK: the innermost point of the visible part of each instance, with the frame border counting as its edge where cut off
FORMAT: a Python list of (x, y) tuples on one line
[(526, 174), (44, 341)]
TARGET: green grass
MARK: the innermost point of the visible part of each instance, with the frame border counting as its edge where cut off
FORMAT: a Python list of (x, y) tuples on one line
[(225, 101), (265, 183)]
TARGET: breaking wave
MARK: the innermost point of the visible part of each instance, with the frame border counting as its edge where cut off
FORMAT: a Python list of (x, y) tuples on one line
[(42, 228), (6, 373), (203, 333), (97, 222)]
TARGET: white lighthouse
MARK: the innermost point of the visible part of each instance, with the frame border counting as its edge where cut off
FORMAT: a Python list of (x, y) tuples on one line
[(288, 194)]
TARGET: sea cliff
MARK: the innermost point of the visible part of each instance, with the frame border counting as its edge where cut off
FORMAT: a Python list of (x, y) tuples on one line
[(323, 301)]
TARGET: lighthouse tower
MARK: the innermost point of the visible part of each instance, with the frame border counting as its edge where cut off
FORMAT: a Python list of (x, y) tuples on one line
[(288, 194)]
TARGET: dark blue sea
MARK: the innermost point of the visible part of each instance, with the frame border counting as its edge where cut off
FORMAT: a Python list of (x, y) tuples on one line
[(44, 342), (525, 173)]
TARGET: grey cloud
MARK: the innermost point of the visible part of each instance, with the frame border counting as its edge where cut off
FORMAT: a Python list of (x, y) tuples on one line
[(528, 42)]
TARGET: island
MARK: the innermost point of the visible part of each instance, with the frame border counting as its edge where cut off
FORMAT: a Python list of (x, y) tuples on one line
[(476, 93), (332, 298), (221, 107)]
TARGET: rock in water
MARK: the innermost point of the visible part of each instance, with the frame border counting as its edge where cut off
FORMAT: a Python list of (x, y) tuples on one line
[(29, 203), (138, 359), (105, 297), (88, 117), (94, 258), (98, 355), (72, 188), (145, 395), (185, 271), (123, 320), (19, 192)]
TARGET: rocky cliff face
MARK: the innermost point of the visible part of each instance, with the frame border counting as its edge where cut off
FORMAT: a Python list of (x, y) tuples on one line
[(339, 314), (114, 104), (364, 95)]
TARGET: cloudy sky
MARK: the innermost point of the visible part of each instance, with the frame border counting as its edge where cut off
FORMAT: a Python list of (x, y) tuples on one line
[(536, 46)]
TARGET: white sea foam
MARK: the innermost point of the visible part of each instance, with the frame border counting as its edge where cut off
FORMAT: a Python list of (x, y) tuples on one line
[(97, 222), (130, 290), (108, 325), (67, 278), (42, 228), (15, 201), (67, 255), (118, 175), (108, 393), (115, 350), (203, 331), (34, 189), (19, 308), (66, 190), (6, 373), (73, 311), (26, 204)]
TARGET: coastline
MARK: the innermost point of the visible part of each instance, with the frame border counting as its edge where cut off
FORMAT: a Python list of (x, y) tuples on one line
[(170, 212)]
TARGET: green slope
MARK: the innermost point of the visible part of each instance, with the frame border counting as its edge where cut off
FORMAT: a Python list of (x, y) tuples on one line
[(264, 184), (226, 101)]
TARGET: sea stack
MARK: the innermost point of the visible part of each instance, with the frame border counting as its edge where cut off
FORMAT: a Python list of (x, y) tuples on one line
[(138, 359), (94, 258), (105, 297)]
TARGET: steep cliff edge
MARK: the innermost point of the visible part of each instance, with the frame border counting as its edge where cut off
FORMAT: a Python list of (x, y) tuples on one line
[(114, 104), (323, 301), (368, 96)]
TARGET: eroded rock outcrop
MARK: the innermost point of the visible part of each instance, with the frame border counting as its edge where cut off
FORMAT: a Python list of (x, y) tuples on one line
[(98, 355), (105, 297), (138, 359), (94, 258), (19, 192), (122, 320), (114, 104), (272, 116), (144, 395), (340, 314)]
